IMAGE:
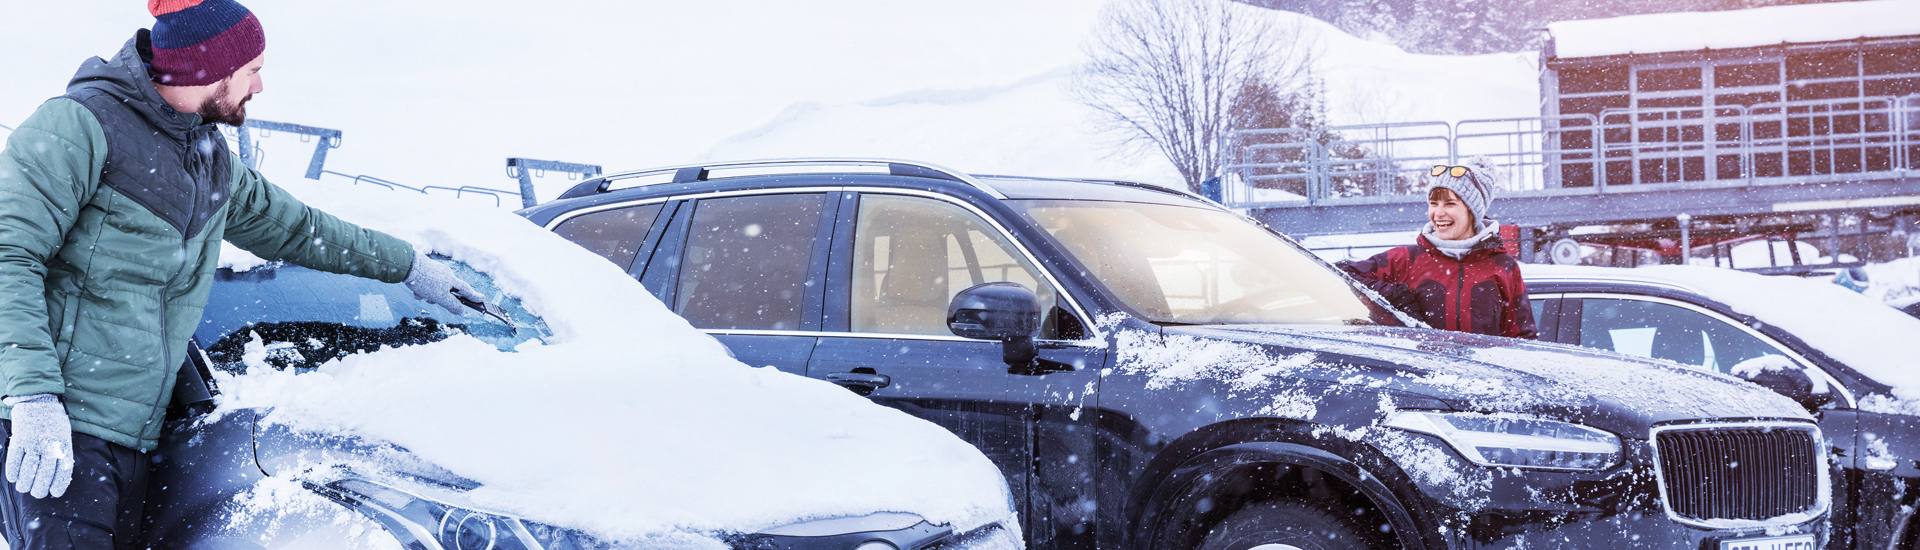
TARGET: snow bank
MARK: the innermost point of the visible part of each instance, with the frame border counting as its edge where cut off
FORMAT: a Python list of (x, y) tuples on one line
[(629, 422), (1895, 281), (1678, 32), (1879, 341)]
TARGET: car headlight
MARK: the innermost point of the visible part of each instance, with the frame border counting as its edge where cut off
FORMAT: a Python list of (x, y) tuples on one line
[(1506, 441), (420, 522), (423, 523)]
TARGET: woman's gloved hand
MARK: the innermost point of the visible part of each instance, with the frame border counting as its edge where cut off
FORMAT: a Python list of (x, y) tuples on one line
[(40, 453)]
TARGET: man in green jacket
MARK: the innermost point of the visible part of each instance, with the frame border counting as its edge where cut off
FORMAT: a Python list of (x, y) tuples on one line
[(114, 199)]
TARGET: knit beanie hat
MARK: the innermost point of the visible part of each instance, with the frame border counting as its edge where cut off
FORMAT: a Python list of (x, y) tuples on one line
[(1475, 187), (200, 42)]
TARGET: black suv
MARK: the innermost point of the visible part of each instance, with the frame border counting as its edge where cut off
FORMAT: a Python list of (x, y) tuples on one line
[(1151, 370)]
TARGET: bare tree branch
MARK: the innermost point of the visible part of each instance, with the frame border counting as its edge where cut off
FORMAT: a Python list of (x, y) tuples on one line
[(1168, 75)]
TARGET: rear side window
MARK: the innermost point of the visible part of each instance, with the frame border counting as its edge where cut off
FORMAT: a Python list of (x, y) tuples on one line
[(748, 261), (613, 234)]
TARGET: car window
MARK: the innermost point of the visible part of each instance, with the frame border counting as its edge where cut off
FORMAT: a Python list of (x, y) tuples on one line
[(1539, 310), (1664, 331), (1198, 266), (912, 255), (288, 316), (613, 234), (748, 261)]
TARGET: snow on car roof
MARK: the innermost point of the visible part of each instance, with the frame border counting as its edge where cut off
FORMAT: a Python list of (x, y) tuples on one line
[(629, 423), (1879, 341), (1688, 31)]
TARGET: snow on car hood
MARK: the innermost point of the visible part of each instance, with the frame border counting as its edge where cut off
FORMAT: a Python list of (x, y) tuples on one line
[(1618, 393), (628, 423), (1878, 341)]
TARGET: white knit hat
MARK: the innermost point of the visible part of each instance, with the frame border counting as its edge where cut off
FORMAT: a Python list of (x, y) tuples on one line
[(1475, 186)]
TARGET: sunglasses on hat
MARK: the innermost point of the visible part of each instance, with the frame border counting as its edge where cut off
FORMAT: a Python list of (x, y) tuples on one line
[(1455, 171)]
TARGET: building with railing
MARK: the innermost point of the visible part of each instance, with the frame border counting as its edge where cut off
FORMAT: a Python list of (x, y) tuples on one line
[(1791, 122)]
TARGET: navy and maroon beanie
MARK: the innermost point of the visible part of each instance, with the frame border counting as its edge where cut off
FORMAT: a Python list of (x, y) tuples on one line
[(200, 42)]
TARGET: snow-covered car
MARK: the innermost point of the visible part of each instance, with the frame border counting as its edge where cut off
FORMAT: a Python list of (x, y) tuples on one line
[(1850, 360), (1150, 370), (327, 411)]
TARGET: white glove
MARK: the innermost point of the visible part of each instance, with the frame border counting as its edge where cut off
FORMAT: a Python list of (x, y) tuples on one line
[(40, 454), (436, 283)]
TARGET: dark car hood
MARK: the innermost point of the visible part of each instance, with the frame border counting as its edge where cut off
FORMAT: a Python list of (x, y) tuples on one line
[(1482, 373)]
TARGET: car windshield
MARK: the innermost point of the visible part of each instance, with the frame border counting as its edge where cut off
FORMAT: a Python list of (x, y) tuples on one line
[(1174, 264), (289, 316)]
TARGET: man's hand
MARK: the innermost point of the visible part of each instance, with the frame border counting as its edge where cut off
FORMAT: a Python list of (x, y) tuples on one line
[(434, 282), (40, 454)]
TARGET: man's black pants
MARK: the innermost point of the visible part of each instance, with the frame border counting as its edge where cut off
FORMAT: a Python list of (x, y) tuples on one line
[(101, 510)]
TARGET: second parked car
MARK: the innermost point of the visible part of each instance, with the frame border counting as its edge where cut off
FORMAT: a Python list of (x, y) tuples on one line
[(1150, 370), (1850, 360)]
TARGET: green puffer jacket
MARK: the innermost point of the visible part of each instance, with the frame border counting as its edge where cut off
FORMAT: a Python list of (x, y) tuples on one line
[(112, 209)]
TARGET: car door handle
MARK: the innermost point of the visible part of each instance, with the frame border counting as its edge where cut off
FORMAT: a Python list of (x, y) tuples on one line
[(863, 383)]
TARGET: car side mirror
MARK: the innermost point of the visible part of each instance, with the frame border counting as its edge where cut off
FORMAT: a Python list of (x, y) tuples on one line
[(1785, 377), (1007, 312)]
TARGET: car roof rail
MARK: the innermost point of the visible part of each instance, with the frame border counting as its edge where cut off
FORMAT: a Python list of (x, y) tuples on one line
[(701, 172)]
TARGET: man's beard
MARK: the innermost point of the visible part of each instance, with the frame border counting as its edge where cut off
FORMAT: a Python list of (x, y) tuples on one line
[(217, 109)]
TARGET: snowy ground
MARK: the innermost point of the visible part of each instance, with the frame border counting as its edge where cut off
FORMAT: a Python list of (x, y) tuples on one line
[(432, 95)]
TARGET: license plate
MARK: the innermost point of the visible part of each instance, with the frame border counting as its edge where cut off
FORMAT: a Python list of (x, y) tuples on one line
[(1789, 542)]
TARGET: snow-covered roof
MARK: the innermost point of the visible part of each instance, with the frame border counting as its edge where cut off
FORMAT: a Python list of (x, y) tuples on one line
[(629, 422), (1688, 31)]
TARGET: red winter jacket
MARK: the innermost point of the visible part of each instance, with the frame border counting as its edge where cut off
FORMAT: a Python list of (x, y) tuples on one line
[(1481, 293)]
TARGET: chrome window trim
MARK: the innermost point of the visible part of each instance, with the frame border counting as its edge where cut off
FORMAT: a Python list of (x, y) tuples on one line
[(1088, 343), (742, 192), (563, 218), (1832, 382), (1824, 491), (1614, 280)]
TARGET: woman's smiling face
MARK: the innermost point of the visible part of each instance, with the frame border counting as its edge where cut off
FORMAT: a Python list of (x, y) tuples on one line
[(1451, 218)]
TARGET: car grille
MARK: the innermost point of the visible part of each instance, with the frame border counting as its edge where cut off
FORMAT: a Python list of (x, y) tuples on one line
[(1734, 472)]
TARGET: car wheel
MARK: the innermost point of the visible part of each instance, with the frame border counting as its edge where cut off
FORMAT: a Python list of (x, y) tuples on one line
[(1284, 525)]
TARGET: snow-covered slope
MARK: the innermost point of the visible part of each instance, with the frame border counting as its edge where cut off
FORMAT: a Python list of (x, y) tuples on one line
[(1032, 127), (429, 93)]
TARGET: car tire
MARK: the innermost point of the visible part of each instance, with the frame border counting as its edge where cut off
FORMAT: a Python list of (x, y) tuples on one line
[(1284, 525)]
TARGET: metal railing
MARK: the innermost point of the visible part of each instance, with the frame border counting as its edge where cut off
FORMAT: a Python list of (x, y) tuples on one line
[(525, 169), (458, 192), (250, 152), (1615, 150)]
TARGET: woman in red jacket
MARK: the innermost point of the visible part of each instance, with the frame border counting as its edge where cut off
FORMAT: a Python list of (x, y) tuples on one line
[(1457, 275)]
